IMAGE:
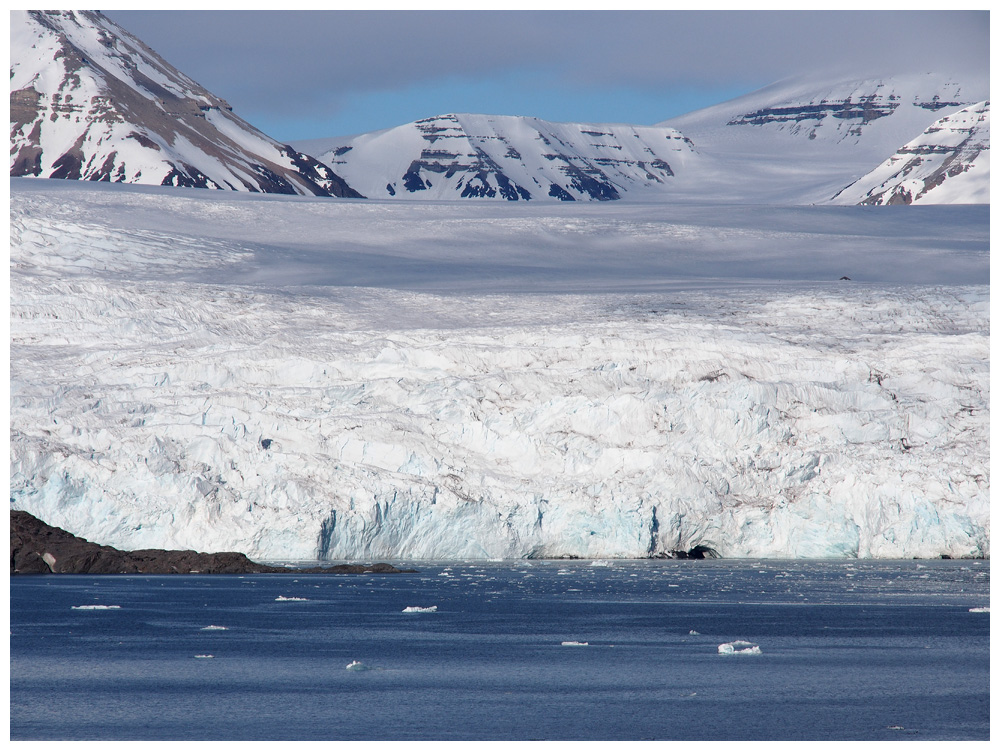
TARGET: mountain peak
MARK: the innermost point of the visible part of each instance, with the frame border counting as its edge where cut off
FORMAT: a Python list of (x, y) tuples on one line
[(89, 101), (506, 157)]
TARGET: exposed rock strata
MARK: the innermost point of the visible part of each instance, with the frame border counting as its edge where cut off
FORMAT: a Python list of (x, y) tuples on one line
[(947, 163), (510, 158)]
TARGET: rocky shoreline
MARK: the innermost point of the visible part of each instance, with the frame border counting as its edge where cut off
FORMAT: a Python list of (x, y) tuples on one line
[(38, 548)]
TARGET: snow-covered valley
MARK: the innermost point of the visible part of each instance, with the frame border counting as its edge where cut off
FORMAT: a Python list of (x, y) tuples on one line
[(297, 378)]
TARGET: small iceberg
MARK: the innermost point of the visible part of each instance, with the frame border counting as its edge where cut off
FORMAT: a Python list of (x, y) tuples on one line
[(739, 648), (415, 609), (979, 610), (357, 665), (97, 607), (692, 632), (282, 598), (575, 644), (204, 657), (601, 563), (215, 628)]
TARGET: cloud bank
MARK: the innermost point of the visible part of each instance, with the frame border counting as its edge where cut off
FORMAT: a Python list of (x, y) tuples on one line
[(316, 64)]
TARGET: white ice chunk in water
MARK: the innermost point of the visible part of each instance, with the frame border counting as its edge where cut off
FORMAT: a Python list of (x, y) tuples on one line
[(979, 610), (282, 598), (357, 665), (575, 644), (215, 628), (601, 563), (692, 632), (97, 607), (415, 609), (204, 657), (739, 648)]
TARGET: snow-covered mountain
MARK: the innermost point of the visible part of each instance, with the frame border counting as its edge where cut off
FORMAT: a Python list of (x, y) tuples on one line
[(804, 139), (89, 101), (797, 141), (947, 163), (508, 158), (294, 378)]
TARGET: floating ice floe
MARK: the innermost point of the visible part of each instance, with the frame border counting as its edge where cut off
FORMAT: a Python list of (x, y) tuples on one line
[(692, 632), (204, 657), (215, 628), (576, 644), (415, 609), (282, 598), (357, 665), (739, 648), (601, 563), (979, 610), (97, 607)]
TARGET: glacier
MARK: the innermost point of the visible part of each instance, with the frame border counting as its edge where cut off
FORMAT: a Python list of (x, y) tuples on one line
[(298, 378)]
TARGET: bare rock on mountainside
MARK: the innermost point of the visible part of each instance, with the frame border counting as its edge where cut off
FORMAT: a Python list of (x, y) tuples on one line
[(38, 548)]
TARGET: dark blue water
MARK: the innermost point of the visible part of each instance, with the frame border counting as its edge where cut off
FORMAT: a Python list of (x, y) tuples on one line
[(848, 650)]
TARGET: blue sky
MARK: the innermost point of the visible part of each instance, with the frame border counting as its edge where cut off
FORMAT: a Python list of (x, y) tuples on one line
[(312, 74)]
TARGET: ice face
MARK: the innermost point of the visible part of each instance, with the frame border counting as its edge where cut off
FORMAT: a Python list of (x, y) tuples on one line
[(149, 409)]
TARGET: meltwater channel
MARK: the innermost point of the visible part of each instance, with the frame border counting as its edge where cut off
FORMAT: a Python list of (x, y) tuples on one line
[(556, 650)]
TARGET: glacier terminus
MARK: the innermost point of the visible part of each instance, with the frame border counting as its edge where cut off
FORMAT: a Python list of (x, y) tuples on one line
[(297, 378), (760, 329)]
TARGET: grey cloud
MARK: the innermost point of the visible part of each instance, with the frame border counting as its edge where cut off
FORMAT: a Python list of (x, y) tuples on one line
[(309, 59)]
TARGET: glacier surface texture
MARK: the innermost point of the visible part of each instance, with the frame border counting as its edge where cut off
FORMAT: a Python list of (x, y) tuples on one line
[(300, 378)]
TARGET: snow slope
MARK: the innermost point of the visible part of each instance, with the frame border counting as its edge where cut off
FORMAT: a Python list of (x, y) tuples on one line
[(948, 163), (91, 102), (804, 139), (508, 158), (509, 381)]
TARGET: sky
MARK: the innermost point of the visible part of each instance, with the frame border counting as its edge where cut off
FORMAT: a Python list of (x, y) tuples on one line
[(299, 75)]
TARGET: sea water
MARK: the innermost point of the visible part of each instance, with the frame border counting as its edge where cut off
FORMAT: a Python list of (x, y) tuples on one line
[(557, 650)]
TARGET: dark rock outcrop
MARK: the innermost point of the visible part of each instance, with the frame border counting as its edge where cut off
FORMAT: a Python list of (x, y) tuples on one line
[(698, 552), (38, 548)]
